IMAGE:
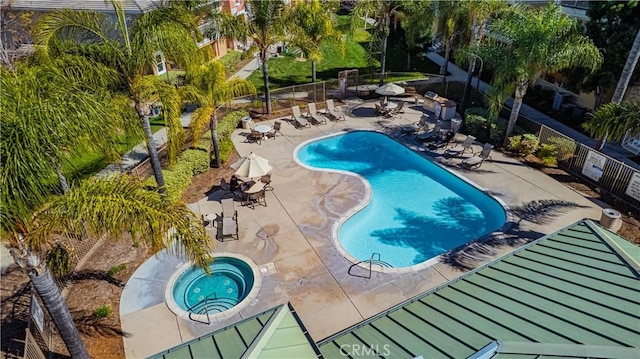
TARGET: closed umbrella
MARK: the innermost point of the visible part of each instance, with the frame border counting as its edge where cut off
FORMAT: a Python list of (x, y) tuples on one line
[(251, 166)]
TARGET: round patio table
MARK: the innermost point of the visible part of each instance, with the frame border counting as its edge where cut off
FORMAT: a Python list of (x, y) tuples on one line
[(263, 129)]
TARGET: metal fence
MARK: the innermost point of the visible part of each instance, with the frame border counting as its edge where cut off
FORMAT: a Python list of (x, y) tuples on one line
[(594, 167)]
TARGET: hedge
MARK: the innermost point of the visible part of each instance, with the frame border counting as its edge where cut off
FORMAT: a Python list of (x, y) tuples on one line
[(178, 178)]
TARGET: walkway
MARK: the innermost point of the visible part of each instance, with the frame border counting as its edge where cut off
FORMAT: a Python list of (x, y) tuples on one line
[(611, 149)]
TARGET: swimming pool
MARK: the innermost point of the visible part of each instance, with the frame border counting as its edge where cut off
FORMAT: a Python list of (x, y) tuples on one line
[(192, 291), (417, 209)]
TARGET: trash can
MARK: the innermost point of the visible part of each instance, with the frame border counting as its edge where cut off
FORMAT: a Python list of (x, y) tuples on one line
[(610, 219), (247, 123), (456, 123)]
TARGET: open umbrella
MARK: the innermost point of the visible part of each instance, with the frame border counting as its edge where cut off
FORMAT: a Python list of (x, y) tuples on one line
[(251, 166), (390, 89)]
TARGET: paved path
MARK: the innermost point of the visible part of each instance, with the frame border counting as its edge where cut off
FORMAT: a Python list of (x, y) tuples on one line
[(610, 149)]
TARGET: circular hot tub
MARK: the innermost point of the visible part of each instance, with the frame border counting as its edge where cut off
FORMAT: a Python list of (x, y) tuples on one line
[(232, 284)]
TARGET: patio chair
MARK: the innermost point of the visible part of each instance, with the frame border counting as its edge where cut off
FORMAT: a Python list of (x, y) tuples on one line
[(429, 135), (266, 179), (299, 121), (442, 141), (333, 112), (423, 124), (255, 136), (315, 116), (227, 227), (460, 149), (476, 161), (275, 130), (228, 208)]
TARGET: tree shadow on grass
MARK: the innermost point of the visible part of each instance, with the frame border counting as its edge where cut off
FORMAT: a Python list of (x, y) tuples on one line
[(470, 255), (87, 323)]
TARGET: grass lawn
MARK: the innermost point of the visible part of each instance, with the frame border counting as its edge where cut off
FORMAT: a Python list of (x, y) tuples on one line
[(288, 69), (87, 164)]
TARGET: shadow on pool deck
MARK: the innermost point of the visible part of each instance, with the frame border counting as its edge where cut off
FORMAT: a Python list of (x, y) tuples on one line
[(291, 240)]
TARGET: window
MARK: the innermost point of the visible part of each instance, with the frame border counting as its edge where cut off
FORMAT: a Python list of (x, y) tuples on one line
[(159, 63)]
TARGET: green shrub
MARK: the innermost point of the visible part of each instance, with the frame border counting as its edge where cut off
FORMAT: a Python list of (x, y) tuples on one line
[(231, 60), (498, 127), (229, 123), (478, 111), (523, 144), (514, 143), (529, 144), (548, 154), (565, 147), (196, 161), (226, 147), (477, 126), (116, 269), (102, 312), (59, 261)]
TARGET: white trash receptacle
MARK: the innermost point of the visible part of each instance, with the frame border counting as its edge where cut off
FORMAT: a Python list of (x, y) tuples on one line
[(247, 122), (611, 219)]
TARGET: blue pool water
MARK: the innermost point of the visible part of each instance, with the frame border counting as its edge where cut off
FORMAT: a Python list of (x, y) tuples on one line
[(228, 284), (418, 209)]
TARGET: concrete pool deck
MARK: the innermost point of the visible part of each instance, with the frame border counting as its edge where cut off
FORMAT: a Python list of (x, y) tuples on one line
[(290, 239)]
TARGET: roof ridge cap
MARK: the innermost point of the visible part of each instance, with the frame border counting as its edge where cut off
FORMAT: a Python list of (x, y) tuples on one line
[(630, 260), (267, 331)]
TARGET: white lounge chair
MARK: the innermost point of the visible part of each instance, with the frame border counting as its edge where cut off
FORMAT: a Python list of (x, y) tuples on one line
[(333, 112), (296, 116), (315, 116), (476, 161), (460, 149)]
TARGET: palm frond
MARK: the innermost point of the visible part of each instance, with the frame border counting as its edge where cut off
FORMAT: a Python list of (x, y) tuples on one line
[(117, 205)]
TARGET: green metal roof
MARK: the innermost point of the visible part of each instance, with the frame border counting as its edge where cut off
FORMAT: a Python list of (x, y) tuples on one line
[(276, 333), (575, 291)]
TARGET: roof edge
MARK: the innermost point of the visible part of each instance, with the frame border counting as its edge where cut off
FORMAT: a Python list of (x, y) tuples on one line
[(628, 258), (567, 350)]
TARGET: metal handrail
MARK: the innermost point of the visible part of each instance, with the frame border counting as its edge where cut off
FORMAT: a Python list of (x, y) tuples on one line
[(370, 261), (205, 301)]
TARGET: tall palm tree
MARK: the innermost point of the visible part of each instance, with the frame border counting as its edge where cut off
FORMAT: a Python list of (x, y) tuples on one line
[(211, 80), (417, 24), (311, 23), (168, 31), (478, 12), (449, 15), (105, 205), (614, 121), (385, 13), (264, 27), (627, 71), (526, 44)]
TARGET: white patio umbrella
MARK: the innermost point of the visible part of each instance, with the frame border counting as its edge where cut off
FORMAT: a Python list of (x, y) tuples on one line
[(251, 166), (389, 89)]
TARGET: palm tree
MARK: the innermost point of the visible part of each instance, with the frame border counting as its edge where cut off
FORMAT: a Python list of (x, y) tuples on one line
[(264, 27), (479, 12), (449, 14), (47, 117), (384, 13), (629, 66), (312, 24), (215, 89), (168, 31), (417, 24), (105, 205), (526, 44), (614, 121)]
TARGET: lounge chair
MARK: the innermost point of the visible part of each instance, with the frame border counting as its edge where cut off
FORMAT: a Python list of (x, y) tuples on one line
[(397, 110), (442, 141), (296, 116), (333, 112), (460, 149), (430, 135), (227, 223), (315, 116), (476, 161), (423, 124)]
